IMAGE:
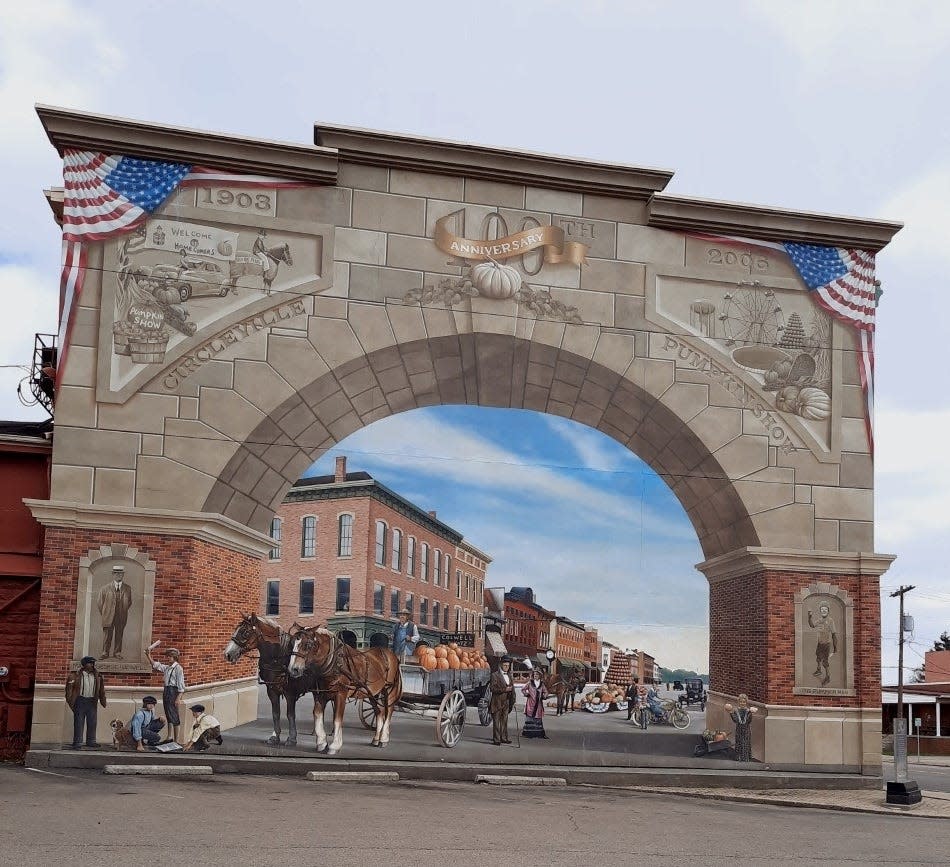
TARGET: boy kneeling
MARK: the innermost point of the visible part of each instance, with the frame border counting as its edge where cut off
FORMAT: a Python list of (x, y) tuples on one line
[(204, 730)]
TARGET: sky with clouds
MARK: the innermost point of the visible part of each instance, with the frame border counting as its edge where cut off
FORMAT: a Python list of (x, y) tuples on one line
[(818, 105)]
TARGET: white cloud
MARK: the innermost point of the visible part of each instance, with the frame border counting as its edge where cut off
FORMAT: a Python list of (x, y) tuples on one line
[(594, 450)]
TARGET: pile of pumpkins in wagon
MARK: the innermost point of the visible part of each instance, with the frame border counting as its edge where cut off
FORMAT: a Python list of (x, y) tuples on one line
[(449, 656)]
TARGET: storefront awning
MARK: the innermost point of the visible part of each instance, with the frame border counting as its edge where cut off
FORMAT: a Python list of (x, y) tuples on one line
[(496, 647)]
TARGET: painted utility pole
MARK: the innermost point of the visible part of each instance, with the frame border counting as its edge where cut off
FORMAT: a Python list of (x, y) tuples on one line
[(902, 791)]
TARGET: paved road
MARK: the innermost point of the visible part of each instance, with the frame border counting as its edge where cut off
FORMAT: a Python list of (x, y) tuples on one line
[(930, 778), (90, 819)]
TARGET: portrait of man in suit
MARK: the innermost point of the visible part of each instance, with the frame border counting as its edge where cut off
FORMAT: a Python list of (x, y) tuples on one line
[(114, 602)]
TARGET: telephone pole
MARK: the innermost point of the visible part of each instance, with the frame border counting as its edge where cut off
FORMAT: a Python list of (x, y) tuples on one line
[(902, 791), (901, 591)]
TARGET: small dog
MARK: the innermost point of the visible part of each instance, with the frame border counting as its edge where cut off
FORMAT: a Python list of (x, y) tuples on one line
[(121, 737)]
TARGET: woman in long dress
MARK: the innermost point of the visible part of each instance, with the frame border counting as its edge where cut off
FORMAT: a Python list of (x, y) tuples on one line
[(536, 692)]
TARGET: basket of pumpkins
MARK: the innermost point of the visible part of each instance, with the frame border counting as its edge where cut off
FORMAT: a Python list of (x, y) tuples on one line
[(604, 698)]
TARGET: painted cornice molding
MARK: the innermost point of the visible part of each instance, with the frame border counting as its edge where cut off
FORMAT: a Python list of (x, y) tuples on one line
[(74, 129), (394, 150), (748, 561), (687, 214), (214, 529)]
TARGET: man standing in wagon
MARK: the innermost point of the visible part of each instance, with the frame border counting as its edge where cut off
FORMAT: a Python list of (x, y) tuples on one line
[(827, 645)]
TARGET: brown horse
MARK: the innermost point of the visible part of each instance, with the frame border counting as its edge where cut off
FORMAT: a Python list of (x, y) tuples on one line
[(371, 674), (273, 646), (564, 685)]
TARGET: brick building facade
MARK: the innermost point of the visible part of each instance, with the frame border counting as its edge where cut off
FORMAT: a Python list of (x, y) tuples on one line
[(350, 553)]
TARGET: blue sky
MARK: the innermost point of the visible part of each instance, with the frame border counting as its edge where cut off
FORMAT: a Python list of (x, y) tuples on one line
[(559, 507), (825, 105)]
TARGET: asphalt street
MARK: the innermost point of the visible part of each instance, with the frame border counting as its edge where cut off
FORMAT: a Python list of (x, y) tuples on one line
[(930, 778), (87, 818)]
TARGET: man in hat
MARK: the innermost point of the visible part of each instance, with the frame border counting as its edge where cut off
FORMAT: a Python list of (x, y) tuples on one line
[(173, 677), (84, 688), (114, 602), (502, 701), (146, 728), (204, 730), (405, 635)]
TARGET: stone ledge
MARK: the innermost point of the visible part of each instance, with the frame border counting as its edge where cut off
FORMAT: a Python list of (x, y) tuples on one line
[(74, 129), (160, 770), (352, 776), (208, 527), (747, 561), (392, 150), (504, 780)]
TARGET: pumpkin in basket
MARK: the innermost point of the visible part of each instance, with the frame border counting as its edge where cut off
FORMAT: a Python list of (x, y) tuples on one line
[(494, 280)]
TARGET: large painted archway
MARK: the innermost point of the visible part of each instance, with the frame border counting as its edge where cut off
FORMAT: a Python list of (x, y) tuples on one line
[(289, 295)]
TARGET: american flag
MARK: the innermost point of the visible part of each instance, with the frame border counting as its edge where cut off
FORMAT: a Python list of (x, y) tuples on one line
[(842, 282), (107, 195)]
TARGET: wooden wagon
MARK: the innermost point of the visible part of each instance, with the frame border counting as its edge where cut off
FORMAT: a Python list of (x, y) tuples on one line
[(441, 695)]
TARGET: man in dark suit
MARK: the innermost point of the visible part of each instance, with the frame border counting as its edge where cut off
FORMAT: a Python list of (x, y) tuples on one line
[(502, 701), (84, 688), (114, 602), (631, 696)]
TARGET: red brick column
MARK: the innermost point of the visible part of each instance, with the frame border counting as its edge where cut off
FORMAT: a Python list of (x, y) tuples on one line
[(752, 636), (200, 588)]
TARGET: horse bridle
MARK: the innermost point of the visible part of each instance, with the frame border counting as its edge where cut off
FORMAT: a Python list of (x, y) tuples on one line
[(245, 626), (328, 664)]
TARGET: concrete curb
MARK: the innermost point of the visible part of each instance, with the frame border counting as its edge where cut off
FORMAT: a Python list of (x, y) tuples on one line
[(466, 772), (922, 810), (352, 776), (160, 770), (512, 780)]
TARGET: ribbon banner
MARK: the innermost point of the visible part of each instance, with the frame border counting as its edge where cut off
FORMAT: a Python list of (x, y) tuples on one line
[(550, 239)]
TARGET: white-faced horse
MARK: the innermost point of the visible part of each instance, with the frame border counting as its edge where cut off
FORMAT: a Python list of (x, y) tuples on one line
[(344, 672), (273, 647)]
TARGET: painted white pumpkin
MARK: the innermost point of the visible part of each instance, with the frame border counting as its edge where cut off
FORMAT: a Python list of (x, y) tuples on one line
[(494, 280), (814, 403)]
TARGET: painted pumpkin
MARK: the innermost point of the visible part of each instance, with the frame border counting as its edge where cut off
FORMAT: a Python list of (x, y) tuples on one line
[(428, 662), (442, 664), (787, 398), (494, 280), (814, 403)]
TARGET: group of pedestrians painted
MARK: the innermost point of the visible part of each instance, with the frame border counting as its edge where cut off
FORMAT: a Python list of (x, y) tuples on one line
[(85, 692)]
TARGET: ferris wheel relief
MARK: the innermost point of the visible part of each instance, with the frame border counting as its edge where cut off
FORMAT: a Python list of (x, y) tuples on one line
[(759, 334)]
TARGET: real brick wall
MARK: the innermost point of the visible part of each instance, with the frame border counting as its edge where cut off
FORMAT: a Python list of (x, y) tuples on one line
[(752, 637), (200, 590), (19, 621)]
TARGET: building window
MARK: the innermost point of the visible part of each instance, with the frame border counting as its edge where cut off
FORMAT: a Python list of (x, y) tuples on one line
[(273, 598), (379, 598), (397, 550), (481, 626), (448, 571), (436, 567), (468, 588), (306, 595), (458, 583), (424, 611), (380, 543), (445, 618), (275, 532), (409, 603), (344, 547), (411, 556), (458, 619), (435, 614), (342, 594), (393, 602), (424, 562), (308, 537)]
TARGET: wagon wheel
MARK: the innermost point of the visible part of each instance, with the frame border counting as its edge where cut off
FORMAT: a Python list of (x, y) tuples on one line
[(451, 719), (484, 711), (367, 714)]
